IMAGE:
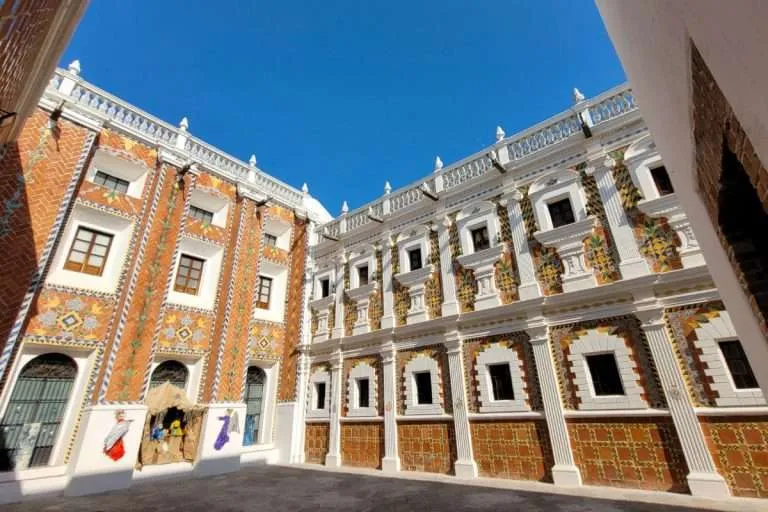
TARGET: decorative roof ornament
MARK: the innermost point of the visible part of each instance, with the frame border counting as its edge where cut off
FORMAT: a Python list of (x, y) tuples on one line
[(252, 161), (184, 124), (344, 208), (438, 163), (74, 67), (577, 96), (305, 189), (609, 162), (387, 187), (500, 134)]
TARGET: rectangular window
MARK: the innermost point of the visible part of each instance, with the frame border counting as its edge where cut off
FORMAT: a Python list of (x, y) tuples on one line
[(605, 375), (423, 387), (89, 251), (661, 179), (320, 395), (362, 275), (270, 240), (264, 291), (325, 287), (561, 213), (200, 214), (480, 239), (189, 275), (738, 365), (113, 183), (414, 259), (501, 380), (362, 392)]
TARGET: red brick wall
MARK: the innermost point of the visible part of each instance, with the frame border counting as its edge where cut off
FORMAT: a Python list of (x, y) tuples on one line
[(427, 446), (34, 175), (739, 446), (362, 444), (512, 449), (634, 453), (316, 442)]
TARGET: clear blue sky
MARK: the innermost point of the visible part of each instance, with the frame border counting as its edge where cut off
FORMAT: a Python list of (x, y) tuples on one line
[(347, 94)]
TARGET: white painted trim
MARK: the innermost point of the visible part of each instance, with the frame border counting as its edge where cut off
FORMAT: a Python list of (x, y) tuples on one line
[(362, 371), (218, 206), (495, 354), (418, 364), (209, 280), (318, 376)]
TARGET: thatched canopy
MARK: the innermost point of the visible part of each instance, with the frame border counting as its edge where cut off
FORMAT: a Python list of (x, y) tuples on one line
[(165, 396)]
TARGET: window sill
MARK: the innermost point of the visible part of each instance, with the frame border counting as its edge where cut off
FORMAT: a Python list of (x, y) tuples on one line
[(263, 447), (361, 419), (33, 474), (425, 417)]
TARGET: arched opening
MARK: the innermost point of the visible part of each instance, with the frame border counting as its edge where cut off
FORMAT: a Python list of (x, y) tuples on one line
[(744, 224), (170, 371), (31, 422), (254, 403)]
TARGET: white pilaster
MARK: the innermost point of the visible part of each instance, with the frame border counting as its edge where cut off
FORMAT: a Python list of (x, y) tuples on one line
[(529, 287), (631, 264), (564, 472), (302, 382), (450, 305), (338, 325), (388, 316), (465, 466), (391, 461), (703, 478), (333, 458)]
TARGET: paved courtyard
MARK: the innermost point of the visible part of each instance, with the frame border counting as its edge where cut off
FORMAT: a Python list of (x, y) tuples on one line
[(277, 488)]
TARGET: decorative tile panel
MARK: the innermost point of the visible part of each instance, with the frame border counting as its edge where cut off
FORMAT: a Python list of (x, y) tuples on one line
[(549, 268), (72, 316), (375, 363), (426, 446), (739, 446), (517, 450), (436, 352), (433, 287), (362, 444), (185, 329), (316, 436)]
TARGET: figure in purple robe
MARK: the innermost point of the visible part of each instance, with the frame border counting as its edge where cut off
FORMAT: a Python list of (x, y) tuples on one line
[(228, 425)]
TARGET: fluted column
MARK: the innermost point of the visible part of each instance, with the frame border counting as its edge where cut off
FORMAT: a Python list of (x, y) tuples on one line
[(564, 472), (450, 305), (529, 287), (333, 458), (631, 264), (465, 466), (391, 461), (338, 320), (703, 478), (388, 315), (302, 382)]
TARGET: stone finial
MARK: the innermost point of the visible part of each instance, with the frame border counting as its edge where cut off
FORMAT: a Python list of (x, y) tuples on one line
[(577, 96), (500, 134), (609, 162), (184, 124), (305, 189), (252, 161), (387, 187), (74, 67), (438, 163), (344, 208)]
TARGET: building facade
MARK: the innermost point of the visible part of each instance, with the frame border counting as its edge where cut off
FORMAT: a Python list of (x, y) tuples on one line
[(700, 87), (540, 310), (33, 35)]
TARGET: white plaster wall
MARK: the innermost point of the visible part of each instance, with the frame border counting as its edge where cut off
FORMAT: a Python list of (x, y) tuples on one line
[(206, 293), (652, 40), (218, 206), (135, 174), (279, 275)]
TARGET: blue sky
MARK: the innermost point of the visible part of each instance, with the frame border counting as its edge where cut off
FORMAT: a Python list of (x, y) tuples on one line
[(347, 94)]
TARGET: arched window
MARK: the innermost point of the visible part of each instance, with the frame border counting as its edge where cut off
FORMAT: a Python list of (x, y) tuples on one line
[(31, 421), (254, 394), (170, 371)]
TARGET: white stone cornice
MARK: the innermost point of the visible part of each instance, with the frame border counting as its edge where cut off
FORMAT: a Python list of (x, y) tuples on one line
[(664, 206), (323, 302), (567, 235), (568, 240), (482, 263), (415, 277), (480, 259), (362, 292)]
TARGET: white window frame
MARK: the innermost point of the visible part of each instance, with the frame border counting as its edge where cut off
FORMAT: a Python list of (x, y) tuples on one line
[(708, 337), (596, 342), (418, 364), (84, 359), (280, 230), (320, 375), (214, 204), (277, 294), (416, 238), (268, 403), (119, 228), (362, 371), (365, 257), (135, 174), (554, 187), (209, 280), (474, 216), (326, 274), (498, 354), (194, 365)]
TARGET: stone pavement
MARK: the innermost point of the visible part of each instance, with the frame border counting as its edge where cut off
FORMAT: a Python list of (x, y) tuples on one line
[(279, 488)]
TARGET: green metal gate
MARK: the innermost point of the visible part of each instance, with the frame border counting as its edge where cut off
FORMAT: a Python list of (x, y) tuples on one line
[(254, 393), (31, 421)]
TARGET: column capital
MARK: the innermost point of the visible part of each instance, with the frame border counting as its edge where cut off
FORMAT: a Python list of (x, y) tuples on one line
[(453, 342), (539, 334), (651, 317), (510, 197)]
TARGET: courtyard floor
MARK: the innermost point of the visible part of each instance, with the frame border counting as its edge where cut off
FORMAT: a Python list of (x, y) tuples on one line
[(281, 488)]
